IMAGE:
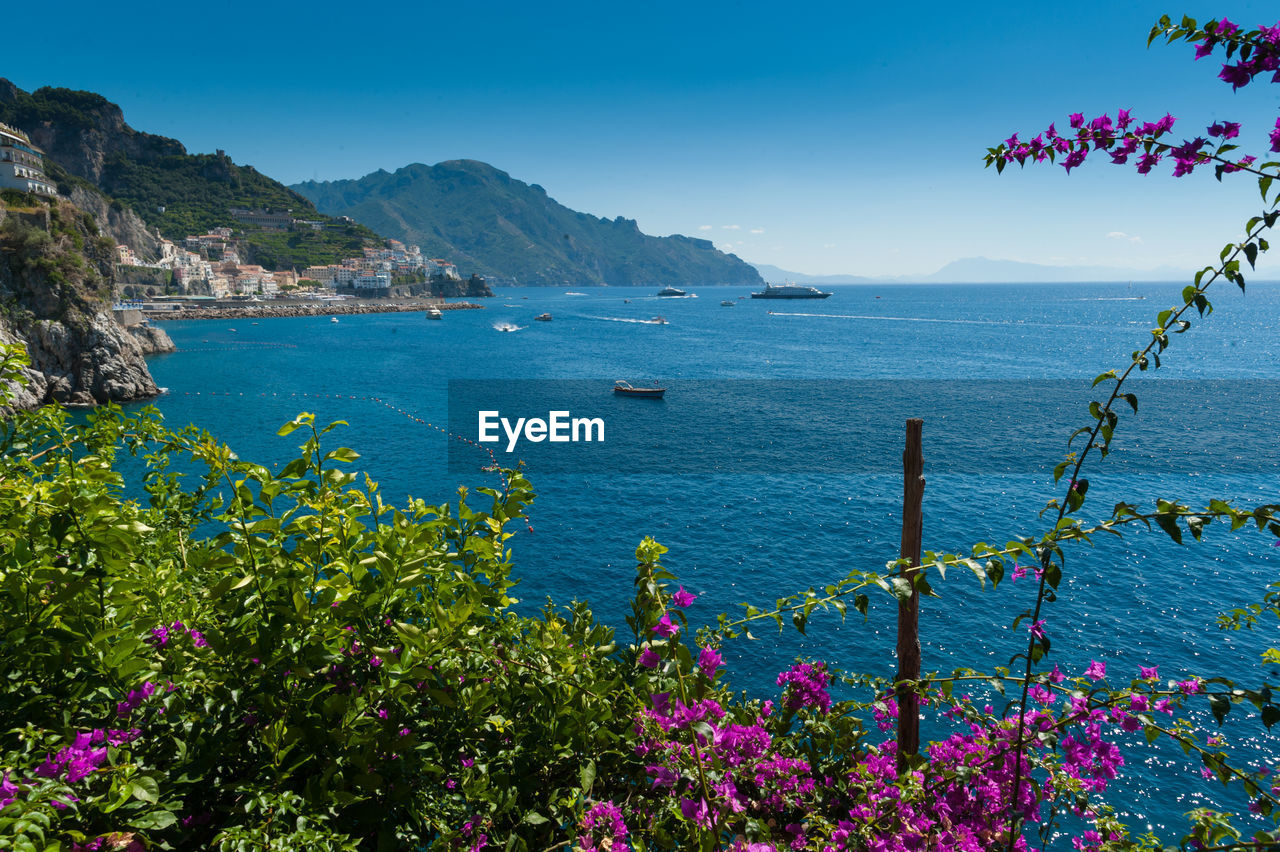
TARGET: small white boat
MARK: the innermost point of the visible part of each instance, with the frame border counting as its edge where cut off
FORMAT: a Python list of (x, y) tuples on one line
[(434, 313), (658, 321), (333, 319), (725, 303)]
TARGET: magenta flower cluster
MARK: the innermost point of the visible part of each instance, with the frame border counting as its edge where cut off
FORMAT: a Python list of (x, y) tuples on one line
[(135, 698), (602, 828), (805, 685), (1264, 58), (1122, 138), (71, 764), (161, 636)]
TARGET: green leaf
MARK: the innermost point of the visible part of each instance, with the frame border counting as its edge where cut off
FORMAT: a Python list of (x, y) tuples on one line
[(1169, 524), (1219, 706), (144, 788)]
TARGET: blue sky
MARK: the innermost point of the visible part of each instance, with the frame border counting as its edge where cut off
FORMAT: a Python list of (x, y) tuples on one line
[(823, 137)]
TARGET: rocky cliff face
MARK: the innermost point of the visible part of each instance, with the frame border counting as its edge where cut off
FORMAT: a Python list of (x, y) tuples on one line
[(118, 222), (152, 339), (55, 290), (92, 132)]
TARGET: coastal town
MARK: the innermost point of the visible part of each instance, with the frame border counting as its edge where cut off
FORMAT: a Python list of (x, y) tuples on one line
[(210, 266)]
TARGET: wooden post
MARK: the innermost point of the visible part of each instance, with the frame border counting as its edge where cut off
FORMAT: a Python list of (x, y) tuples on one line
[(909, 610)]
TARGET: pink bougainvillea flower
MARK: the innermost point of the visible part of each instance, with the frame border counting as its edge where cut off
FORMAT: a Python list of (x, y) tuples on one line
[(665, 627), (682, 598), (709, 660)]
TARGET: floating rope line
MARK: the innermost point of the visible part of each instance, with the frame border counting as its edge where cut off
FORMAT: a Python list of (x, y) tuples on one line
[(239, 347), (492, 467)]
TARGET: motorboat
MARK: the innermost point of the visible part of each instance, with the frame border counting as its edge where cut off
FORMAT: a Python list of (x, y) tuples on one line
[(624, 388), (658, 321), (725, 303), (435, 313), (671, 291), (789, 291), (543, 317)]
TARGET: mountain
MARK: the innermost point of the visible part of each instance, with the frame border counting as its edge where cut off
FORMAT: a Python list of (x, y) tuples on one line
[(982, 270), (979, 270), (776, 275), (482, 218), (109, 168)]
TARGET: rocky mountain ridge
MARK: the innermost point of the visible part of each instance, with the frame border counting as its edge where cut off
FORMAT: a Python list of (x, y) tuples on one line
[(480, 217)]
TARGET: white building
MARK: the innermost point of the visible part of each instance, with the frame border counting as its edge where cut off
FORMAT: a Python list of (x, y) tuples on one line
[(22, 164)]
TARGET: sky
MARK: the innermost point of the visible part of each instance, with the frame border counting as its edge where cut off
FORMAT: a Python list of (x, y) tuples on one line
[(820, 137)]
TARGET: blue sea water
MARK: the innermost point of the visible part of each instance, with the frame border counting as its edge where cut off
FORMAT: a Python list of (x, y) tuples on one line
[(1000, 374)]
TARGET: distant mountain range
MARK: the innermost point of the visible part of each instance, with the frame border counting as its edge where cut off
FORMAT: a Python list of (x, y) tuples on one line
[(982, 270), (482, 218)]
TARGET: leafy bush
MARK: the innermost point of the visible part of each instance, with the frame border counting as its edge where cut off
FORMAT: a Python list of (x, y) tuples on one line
[(249, 660)]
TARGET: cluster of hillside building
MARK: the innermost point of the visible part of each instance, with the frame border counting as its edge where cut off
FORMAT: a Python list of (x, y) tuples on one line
[(209, 264), (379, 267)]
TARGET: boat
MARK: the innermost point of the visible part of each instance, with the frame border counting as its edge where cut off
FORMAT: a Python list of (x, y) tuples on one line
[(624, 388), (725, 303), (434, 313), (657, 321), (671, 291), (543, 317), (789, 291), (331, 319)]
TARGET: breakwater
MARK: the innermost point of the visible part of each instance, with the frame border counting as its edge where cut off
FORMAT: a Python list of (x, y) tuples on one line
[(257, 311)]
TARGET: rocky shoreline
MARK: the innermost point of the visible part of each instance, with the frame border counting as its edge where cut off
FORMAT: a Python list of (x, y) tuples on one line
[(258, 311)]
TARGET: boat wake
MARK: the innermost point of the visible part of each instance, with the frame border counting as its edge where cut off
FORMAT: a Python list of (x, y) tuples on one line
[(509, 326), (890, 319), (632, 320), (571, 293)]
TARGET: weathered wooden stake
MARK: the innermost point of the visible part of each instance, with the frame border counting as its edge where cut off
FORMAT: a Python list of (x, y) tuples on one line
[(909, 610)]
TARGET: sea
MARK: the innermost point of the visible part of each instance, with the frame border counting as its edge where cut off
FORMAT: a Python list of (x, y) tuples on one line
[(773, 462)]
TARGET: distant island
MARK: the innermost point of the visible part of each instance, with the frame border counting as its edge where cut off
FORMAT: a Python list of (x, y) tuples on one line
[(982, 270)]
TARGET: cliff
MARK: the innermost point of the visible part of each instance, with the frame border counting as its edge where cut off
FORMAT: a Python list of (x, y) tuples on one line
[(55, 299), (481, 218)]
